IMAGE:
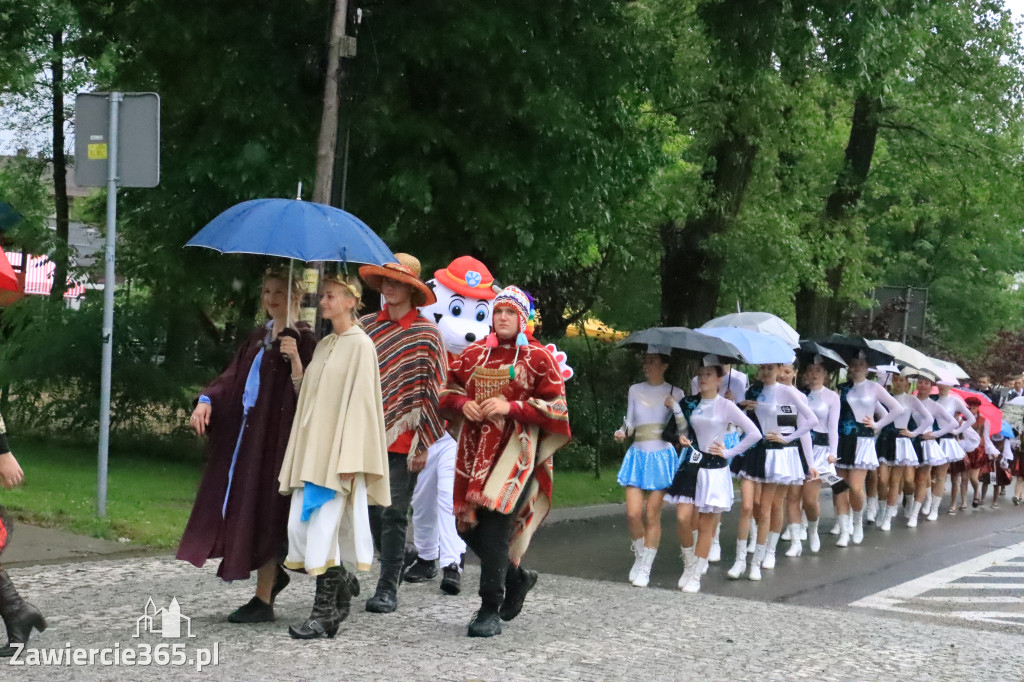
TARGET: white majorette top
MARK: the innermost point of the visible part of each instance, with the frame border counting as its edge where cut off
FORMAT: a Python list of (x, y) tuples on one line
[(647, 407), (912, 407), (953, 404), (865, 396), (779, 400), (941, 416), (824, 403), (711, 420)]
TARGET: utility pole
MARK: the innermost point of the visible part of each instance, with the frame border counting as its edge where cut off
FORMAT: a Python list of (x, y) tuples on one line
[(339, 46)]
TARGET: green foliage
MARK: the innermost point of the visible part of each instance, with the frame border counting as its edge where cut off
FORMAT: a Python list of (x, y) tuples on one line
[(50, 358), (597, 400)]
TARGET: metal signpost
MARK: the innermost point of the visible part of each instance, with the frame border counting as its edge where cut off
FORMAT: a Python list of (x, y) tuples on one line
[(117, 142)]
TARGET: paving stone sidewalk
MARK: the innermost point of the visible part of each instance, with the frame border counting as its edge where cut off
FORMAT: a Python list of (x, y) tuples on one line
[(571, 629)]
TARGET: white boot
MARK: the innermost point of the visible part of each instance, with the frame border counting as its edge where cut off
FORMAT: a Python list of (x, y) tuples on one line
[(693, 585), (638, 551), (796, 547), (858, 527), (870, 510), (715, 554), (933, 513), (837, 527), (813, 541), (643, 576), (887, 516), (926, 507), (803, 526), (845, 530), (907, 506), (883, 512), (755, 565), (786, 533), (769, 556), (689, 565), (752, 537), (914, 511), (739, 567)]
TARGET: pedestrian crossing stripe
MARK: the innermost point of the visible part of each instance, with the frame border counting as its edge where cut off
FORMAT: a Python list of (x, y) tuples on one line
[(925, 596)]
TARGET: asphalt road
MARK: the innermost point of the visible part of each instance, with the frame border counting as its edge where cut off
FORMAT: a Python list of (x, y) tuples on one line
[(598, 549)]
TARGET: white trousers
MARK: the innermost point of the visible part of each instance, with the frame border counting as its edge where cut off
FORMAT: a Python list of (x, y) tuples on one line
[(433, 521), (339, 530)]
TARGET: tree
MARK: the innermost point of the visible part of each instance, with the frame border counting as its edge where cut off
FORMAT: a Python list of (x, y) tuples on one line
[(39, 45), (514, 132)]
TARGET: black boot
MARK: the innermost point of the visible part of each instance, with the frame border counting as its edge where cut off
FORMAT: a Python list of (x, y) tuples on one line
[(451, 583), (421, 571), (324, 619), (281, 581), (385, 599), (348, 587), (485, 623), (18, 615), (517, 583)]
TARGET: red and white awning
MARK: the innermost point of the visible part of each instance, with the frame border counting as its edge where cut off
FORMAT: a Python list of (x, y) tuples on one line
[(39, 276)]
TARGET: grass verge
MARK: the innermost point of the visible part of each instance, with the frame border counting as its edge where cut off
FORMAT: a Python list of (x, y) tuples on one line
[(148, 499)]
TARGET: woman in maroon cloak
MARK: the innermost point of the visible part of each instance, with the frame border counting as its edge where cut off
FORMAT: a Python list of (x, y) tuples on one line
[(238, 514)]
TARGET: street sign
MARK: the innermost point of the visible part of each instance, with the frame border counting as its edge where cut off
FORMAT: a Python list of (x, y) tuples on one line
[(138, 160), (117, 144)]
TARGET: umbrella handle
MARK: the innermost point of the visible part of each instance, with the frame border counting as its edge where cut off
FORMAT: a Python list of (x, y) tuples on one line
[(288, 315)]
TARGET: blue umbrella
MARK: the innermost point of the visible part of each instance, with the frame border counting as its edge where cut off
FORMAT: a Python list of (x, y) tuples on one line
[(289, 228), (755, 348)]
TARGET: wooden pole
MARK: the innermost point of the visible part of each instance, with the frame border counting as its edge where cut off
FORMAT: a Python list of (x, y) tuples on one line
[(326, 145)]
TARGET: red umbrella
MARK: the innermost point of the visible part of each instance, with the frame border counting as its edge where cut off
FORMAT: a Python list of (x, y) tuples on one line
[(987, 410), (8, 280)]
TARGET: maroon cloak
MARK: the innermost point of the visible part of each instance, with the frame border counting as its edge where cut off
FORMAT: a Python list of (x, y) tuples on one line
[(255, 527)]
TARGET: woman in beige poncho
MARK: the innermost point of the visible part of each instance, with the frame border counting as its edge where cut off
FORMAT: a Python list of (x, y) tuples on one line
[(336, 463)]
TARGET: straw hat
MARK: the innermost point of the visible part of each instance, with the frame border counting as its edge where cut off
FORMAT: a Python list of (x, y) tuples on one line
[(405, 271)]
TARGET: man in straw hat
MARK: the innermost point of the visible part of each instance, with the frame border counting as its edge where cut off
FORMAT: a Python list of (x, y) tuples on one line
[(413, 367)]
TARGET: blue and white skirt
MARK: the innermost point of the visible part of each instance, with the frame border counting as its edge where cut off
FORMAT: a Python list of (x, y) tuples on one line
[(649, 470)]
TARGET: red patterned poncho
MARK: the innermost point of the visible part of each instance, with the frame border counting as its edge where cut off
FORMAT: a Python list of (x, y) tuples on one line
[(505, 464)]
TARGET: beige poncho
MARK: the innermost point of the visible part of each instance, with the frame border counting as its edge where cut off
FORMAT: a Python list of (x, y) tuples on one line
[(339, 421)]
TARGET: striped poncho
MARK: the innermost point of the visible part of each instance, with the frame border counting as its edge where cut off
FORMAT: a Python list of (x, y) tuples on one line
[(413, 367)]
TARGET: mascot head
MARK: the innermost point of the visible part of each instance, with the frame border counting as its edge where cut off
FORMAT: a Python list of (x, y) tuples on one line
[(464, 290)]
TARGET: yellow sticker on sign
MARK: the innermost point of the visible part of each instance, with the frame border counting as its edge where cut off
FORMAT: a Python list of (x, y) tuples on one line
[(98, 152)]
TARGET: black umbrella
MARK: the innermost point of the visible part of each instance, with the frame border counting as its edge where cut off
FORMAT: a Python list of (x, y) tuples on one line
[(850, 347), (685, 339), (830, 359)]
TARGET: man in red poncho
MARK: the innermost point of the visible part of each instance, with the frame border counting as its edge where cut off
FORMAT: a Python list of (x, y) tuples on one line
[(512, 396)]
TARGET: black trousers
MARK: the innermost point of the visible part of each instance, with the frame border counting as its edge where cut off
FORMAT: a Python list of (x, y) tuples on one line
[(388, 524), (489, 539)]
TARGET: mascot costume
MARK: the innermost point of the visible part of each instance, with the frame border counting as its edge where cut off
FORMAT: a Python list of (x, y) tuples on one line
[(464, 290)]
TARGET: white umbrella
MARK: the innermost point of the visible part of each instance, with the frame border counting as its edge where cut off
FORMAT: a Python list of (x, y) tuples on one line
[(952, 368), (765, 323), (903, 353)]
